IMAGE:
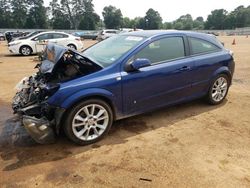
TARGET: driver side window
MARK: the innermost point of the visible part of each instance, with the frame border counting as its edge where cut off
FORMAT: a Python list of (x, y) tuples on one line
[(163, 50)]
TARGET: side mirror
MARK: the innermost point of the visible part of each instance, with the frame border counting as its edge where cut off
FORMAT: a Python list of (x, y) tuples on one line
[(137, 64)]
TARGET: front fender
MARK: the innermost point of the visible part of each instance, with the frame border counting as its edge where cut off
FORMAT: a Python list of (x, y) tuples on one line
[(86, 93)]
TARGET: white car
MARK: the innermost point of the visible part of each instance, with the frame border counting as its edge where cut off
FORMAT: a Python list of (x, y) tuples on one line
[(106, 33), (2, 36), (38, 42)]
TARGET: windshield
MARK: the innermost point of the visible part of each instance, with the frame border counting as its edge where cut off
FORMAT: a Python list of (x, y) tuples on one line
[(108, 51), (30, 35)]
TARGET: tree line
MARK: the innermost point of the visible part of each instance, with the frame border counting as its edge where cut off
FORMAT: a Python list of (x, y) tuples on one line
[(80, 14)]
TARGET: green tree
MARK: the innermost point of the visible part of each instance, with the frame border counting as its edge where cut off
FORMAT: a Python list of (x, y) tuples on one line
[(168, 25), (178, 25), (5, 14), (153, 19), (112, 17), (66, 7), (127, 23), (37, 16), (59, 20), (230, 21), (242, 16), (200, 19), (216, 20), (141, 23), (19, 13), (89, 21), (187, 22), (73, 14), (198, 23), (89, 18)]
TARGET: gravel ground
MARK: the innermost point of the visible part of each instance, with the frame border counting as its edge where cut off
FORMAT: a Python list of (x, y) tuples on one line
[(188, 145)]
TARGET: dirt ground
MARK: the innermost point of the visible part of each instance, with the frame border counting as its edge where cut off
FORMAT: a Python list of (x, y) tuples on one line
[(189, 145)]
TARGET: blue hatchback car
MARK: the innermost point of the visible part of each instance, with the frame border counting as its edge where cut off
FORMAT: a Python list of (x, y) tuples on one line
[(125, 75)]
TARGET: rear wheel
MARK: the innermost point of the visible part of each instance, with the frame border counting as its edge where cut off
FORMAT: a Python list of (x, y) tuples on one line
[(88, 122), (218, 89)]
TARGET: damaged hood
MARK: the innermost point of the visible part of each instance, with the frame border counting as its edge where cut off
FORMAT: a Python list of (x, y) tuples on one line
[(52, 54)]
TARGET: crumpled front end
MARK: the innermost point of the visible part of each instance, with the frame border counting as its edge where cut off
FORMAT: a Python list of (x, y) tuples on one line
[(37, 116), (58, 65), (39, 129)]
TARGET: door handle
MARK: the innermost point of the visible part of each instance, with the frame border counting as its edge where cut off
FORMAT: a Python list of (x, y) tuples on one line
[(185, 68)]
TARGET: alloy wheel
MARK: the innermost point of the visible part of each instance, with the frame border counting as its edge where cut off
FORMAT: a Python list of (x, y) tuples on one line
[(90, 122), (219, 89), (25, 51)]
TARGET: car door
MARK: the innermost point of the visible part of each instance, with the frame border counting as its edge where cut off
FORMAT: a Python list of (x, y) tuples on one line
[(60, 39), (208, 58), (41, 41), (167, 80)]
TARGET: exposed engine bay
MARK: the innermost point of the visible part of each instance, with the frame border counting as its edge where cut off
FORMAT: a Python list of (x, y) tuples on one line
[(58, 64)]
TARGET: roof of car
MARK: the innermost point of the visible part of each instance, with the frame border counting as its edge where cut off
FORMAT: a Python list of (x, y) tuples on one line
[(110, 30), (152, 33), (44, 32), (156, 33)]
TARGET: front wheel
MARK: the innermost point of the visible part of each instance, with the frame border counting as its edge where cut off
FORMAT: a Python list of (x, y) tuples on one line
[(218, 89), (88, 122), (25, 50)]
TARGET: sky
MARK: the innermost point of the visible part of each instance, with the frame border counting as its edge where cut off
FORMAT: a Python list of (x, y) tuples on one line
[(169, 10)]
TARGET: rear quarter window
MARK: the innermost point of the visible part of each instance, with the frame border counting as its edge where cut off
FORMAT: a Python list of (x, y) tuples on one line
[(200, 46)]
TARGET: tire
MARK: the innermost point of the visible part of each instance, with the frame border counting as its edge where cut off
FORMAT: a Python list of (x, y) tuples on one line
[(218, 89), (85, 129), (25, 50), (72, 46)]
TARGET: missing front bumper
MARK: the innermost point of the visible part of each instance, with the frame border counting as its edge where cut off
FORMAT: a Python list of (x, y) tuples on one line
[(39, 129)]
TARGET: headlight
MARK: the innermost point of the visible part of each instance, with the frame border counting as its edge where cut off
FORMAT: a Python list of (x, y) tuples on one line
[(14, 43)]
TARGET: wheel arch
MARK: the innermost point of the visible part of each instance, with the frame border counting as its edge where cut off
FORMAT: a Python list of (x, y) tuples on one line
[(84, 98), (72, 45), (95, 96), (222, 70)]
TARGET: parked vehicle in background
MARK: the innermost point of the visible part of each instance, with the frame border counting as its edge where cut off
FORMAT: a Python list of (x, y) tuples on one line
[(2, 37), (87, 34), (125, 30), (37, 43), (27, 36), (10, 35), (213, 33), (122, 76), (106, 33)]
